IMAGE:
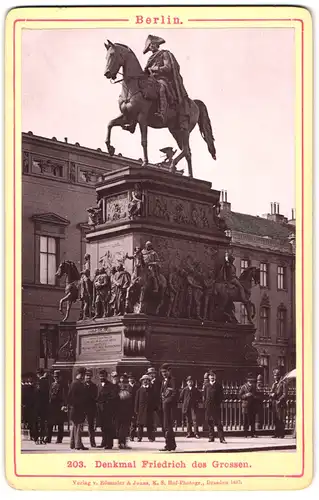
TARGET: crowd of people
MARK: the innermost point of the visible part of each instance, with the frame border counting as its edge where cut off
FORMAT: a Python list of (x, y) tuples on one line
[(123, 408)]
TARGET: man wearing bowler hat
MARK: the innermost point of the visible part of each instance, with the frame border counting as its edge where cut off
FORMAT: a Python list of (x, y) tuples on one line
[(169, 402), (76, 403), (57, 407), (90, 405)]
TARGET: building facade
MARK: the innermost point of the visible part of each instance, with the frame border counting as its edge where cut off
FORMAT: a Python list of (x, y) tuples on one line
[(267, 242), (58, 185)]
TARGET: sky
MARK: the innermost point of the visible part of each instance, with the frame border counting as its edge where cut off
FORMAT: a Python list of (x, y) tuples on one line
[(245, 76)]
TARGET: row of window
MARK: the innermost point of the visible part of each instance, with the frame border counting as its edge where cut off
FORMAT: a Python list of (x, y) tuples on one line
[(264, 321), (264, 274)]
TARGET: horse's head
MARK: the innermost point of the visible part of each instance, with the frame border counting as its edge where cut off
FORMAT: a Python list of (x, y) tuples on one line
[(249, 274), (69, 268), (114, 60), (61, 269)]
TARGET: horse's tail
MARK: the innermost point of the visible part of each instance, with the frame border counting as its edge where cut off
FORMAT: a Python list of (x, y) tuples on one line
[(205, 127)]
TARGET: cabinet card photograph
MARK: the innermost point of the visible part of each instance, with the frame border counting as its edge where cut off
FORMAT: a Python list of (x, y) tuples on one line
[(159, 248)]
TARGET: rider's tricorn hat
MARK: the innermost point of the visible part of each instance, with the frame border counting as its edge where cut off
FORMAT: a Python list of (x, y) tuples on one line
[(152, 39)]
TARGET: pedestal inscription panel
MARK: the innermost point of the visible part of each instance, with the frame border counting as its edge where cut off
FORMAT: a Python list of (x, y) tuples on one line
[(100, 344)]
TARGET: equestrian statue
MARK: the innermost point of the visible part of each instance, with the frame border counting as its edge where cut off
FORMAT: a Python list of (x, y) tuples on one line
[(229, 289), (72, 284), (155, 97)]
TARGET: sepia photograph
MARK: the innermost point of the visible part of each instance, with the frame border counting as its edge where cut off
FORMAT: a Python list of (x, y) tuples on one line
[(158, 241)]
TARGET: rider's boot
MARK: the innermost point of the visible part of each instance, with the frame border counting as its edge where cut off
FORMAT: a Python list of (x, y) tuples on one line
[(163, 106)]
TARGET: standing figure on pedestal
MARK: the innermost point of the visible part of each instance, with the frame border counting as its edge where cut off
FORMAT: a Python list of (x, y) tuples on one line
[(249, 403), (209, 288), (57, 407), (144, 409), (102, 293), (212, 398), (113, 292), (278, 396), (86, 289), (90, 405), (152, 263), (123, 278), (95, 214), (135, 207), (194, 295), (138, 266), (169, 403), (174, 289)]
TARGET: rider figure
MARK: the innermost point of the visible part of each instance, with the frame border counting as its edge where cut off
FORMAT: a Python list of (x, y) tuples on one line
[(163, 66), (151, 260), (230, 276)]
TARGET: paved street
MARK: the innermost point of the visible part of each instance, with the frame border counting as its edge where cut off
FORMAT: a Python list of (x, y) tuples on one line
[(264, 443)]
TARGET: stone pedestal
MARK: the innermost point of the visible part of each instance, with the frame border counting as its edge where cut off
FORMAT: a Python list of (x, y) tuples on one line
[(179, 216)]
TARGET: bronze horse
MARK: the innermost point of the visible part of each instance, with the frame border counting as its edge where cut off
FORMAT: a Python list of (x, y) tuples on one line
[(226, 294), (68, 268), (136, 108), (141, 297)]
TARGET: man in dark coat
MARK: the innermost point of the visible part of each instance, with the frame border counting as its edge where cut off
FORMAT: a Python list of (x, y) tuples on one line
[(248, 395), (169, 403), (90, 405), (57, 407), (41, 402), (278, 396), (156, 384), (107, 404), (28, 402), (76, 403), (190, 398), (144, 409), (213, 397), (133, 388)]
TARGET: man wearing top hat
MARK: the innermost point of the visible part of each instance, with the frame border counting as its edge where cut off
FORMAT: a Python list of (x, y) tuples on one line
[(169, 402), (190, 398), (107, 404), (57, 407), (163, 66), (76, 403), (90, 405), (248, 396)]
